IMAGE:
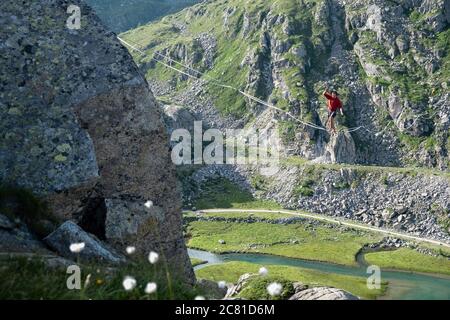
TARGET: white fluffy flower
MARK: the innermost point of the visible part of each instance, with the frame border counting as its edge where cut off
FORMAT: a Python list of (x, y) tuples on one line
[(88, 280), (199, 298), (263, 271), (274, 289), (149, 204), (151, 288), (77, 247), (153, 257), (129, 283), (131, 250), (222, 284)]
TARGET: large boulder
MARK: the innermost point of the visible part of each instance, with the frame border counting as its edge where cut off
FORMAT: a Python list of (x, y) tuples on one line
[(212, 289), (302, 291), (80, 128), (94, 250), (242, 281), (322, 293), (341, 148)]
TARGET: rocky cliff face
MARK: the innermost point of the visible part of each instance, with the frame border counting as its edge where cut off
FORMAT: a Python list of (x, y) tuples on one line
[(80, 128), (388, 59)]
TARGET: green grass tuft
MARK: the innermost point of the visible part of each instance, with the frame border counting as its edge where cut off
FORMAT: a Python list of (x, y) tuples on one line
[(256, 288), (222, 193), (31, 279)]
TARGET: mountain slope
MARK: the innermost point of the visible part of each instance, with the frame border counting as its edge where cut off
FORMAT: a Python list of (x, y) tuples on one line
[(122, 15), (388, 59)]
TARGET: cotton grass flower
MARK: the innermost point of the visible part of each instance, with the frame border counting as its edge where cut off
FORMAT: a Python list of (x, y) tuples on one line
[(263, 271), (151, 288), (149, 204), (200, 298), (88, 280), (131, 250), (222, 284), (153, 257), (129, 283), (77, 247), (274, 289)]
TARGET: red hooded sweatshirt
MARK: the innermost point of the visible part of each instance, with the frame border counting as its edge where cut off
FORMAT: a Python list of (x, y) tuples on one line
[(333, 103)]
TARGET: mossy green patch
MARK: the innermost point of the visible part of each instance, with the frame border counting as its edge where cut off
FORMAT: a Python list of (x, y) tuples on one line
[(257, 288), (410, 260), (222, 193)]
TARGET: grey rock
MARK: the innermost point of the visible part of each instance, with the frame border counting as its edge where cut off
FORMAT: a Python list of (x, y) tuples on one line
[(242, 281), (402, 43), (124, 218), (212, 289), (20, 240), (298, 286), (299, 51), (177, 117), (323, 293), (342, 148), (69, 233), (81, 126)]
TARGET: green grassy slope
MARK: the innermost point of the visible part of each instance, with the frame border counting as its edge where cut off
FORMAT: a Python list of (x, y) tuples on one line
[(410, 260), (232, 46), (297, 240)]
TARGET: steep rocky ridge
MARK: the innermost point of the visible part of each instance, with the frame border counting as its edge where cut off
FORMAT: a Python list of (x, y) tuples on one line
[(388, 59), (80, 128)]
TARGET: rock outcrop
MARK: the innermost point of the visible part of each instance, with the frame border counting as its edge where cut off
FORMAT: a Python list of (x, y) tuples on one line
[(302, 291), (341, 148), (93, 250), (214, 291), (323, 293), (234, 290), (80, 128)]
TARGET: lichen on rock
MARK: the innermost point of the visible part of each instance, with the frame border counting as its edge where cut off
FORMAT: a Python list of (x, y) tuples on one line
[(78, 122)]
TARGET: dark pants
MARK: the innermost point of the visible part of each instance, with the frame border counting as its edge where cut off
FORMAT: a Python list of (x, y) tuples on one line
[(332, 114)]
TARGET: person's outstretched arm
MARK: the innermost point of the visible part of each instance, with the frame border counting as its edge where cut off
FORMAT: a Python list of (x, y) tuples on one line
[(327, 95)]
